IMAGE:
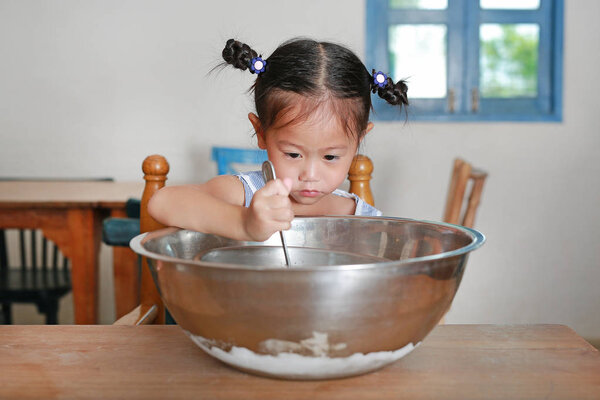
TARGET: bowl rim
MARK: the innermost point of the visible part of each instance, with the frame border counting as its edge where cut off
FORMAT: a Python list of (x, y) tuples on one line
[(136, 244)]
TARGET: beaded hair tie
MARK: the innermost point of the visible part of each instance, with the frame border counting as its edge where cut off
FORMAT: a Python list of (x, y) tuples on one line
[(380, 80), (257, 65)]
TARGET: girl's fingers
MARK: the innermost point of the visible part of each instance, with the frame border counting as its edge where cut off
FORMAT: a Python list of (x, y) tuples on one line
[(276, 187), (279, 202), (282, 215), (285, 226), (271, 208)]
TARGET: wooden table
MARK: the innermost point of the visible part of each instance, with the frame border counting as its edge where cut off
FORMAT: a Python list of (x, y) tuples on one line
[(160, 362), (70, 214)]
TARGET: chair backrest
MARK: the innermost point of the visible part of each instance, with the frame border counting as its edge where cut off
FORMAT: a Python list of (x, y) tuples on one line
[(464, 196), (33, 251), (359, 176), (464, 193), (229, 158), (155, 168)]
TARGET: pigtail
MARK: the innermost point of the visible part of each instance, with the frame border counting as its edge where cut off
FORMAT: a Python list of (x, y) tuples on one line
[(238, 54), (393, 93)]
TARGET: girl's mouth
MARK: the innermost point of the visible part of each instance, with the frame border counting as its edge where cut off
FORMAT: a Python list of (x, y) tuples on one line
[(309, 193)]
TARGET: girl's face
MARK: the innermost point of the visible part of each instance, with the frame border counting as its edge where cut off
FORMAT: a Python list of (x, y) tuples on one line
[(315, 154)]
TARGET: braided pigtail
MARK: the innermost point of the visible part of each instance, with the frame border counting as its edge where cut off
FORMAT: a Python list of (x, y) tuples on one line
[(393, 93), (241, 56)]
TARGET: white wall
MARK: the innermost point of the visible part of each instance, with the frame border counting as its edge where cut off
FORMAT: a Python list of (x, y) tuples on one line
[(90, 88)]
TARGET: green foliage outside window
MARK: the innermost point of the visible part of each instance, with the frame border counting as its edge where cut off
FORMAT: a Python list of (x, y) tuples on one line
[(509, 66)]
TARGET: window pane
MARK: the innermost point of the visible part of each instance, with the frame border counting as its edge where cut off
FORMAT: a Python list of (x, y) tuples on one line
[(418, 53), (422, 4), (508, 60), (511, 4)]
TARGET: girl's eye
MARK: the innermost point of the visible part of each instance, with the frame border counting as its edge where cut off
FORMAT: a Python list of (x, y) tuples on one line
[(293, 155), (330, 157)]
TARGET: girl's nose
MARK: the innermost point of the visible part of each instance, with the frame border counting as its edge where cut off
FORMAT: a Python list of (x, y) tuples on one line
[(309, 172)]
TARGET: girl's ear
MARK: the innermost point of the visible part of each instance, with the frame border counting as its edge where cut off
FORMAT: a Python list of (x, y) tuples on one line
[(370, 126), (260, 134)]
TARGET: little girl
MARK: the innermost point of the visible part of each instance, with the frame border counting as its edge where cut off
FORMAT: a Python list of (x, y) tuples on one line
[(312, 111)]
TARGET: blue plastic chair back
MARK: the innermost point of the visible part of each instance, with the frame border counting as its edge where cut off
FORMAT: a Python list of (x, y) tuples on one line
[(227, 157)]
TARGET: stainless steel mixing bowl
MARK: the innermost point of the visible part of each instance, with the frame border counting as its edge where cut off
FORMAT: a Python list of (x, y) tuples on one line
[(361, 293)]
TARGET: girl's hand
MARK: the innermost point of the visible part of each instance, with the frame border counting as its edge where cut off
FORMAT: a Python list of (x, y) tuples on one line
[(270, 210)]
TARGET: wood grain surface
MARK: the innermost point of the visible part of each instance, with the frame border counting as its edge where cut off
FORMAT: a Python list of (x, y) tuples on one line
[(56, 194), (160, 362)]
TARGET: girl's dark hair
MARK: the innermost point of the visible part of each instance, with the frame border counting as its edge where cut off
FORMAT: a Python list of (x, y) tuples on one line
[(318, 76)]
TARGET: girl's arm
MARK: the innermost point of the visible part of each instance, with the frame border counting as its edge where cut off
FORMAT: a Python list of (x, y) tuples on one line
[(216, 207)]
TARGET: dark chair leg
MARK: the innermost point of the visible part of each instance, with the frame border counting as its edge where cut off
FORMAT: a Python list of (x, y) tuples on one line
[(51, 311), (7, 313)]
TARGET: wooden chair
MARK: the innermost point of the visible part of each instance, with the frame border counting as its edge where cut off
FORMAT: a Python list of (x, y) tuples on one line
[(461, 202), (463, 198), (41, 278), (117, 232), (459, 209), (155, 168), (228, 158), (359, 174)]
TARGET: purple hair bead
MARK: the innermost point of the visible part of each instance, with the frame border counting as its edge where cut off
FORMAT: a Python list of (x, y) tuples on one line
[(257, 65), (380, 79)]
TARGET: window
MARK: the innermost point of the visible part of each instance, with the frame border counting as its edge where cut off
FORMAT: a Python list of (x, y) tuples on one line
[(496, 60)]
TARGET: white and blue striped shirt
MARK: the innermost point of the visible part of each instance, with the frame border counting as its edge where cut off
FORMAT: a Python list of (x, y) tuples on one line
[(254, 180)]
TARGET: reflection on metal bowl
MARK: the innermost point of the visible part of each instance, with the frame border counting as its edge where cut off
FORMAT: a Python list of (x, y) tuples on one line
[(273, 256), (362, 293)]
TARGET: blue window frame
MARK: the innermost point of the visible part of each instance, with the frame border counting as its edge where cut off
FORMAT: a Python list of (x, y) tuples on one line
[(463, 22)]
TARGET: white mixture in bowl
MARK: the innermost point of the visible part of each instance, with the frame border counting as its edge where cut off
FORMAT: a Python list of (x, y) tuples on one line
[(285, 362)]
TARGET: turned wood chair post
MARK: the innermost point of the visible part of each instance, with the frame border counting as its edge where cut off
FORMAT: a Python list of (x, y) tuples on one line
[(456, 191), (462, 174), (474, 198), (359, 176), (155, 168)]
